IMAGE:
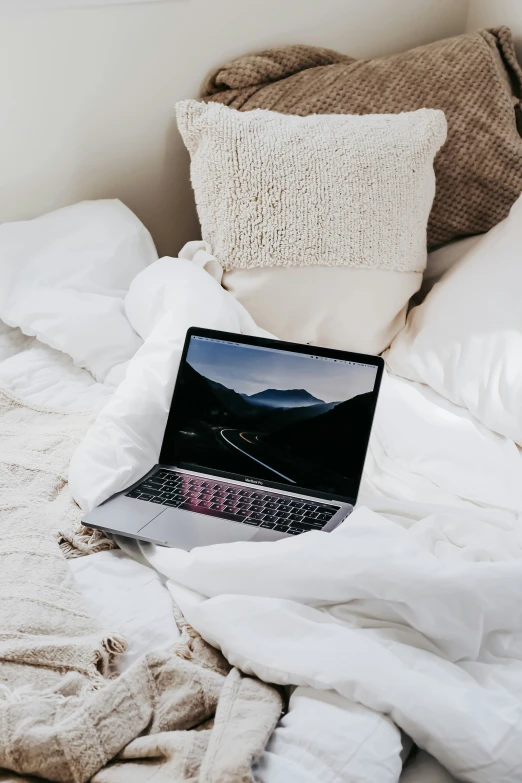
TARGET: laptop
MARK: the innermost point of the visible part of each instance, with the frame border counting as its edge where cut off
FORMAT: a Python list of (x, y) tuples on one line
[(264, 440)]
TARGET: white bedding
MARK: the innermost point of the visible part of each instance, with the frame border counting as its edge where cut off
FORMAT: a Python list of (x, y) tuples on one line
[(311, 743), (130, 597), (443, 658), (45, 376)]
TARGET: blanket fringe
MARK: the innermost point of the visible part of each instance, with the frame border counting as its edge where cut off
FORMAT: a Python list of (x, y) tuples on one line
[(83, 541), (184, 648), (72, 684), (192, 646), (28, 693)]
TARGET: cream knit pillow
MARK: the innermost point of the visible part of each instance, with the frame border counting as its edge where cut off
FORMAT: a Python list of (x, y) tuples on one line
[(298, 209)]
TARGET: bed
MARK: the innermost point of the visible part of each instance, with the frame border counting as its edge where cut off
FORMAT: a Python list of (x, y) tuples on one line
[(388, 650), (440, 489)]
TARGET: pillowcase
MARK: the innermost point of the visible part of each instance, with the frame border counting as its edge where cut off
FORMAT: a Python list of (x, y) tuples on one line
[(474, 78), (64, 276), (465, 340), (318, 222), (439, 261)]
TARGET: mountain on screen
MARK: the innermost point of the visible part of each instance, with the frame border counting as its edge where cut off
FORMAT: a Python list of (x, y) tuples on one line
[(232, 400), (272, 408), (344, 429), (288, 433), (283, 398)]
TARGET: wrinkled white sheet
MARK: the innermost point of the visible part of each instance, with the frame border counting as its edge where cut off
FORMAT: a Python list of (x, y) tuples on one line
[(369, 612), (414, 618), (44, 376), (409, 617), (163, 302), (129, 597)]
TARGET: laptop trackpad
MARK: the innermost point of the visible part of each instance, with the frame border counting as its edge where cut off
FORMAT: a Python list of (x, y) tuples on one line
[(186, 530)]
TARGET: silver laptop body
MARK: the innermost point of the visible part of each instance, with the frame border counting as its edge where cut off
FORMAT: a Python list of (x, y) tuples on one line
[(265, 440)]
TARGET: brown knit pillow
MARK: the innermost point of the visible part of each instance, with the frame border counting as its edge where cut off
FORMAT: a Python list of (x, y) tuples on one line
[(474, 78)]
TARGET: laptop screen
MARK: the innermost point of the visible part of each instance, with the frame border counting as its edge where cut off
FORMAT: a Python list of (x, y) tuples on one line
[(274, 416)]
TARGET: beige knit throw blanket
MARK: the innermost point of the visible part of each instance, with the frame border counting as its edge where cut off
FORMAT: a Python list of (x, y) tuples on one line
[(180, 716)]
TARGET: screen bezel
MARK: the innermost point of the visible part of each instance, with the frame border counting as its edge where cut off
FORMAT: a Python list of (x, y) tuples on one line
[(167, 457)]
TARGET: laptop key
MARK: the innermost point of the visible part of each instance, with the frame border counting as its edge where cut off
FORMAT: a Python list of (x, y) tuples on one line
[(323, 517), (146, 496), (250, 521), (281, 528), (173, 503), (155, 500), (309, 524), (267, 524), (294, 531)]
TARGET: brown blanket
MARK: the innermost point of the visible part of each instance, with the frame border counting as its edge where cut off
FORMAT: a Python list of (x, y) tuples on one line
[(474, 78)]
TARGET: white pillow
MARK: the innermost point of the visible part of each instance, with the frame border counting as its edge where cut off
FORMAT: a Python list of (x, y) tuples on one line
[(465, 340), (319, 222), (440, 260), (64, 276)]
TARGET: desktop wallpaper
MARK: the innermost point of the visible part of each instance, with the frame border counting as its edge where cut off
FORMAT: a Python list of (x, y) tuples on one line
[(273, 415)]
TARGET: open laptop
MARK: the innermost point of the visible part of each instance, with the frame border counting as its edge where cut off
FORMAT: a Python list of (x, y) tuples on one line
[(264, 440)]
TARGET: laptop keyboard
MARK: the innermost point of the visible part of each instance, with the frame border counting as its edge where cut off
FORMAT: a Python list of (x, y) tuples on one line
[(230, 501)]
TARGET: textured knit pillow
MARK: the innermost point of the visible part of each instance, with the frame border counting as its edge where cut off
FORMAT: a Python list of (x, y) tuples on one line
[(474, 78), (319, 222)]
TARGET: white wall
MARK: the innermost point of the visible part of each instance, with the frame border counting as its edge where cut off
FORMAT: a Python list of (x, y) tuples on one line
[(494, 13), (87, 95)]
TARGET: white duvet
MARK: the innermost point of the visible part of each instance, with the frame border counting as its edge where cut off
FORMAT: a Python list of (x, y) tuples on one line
[(407, 618)]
